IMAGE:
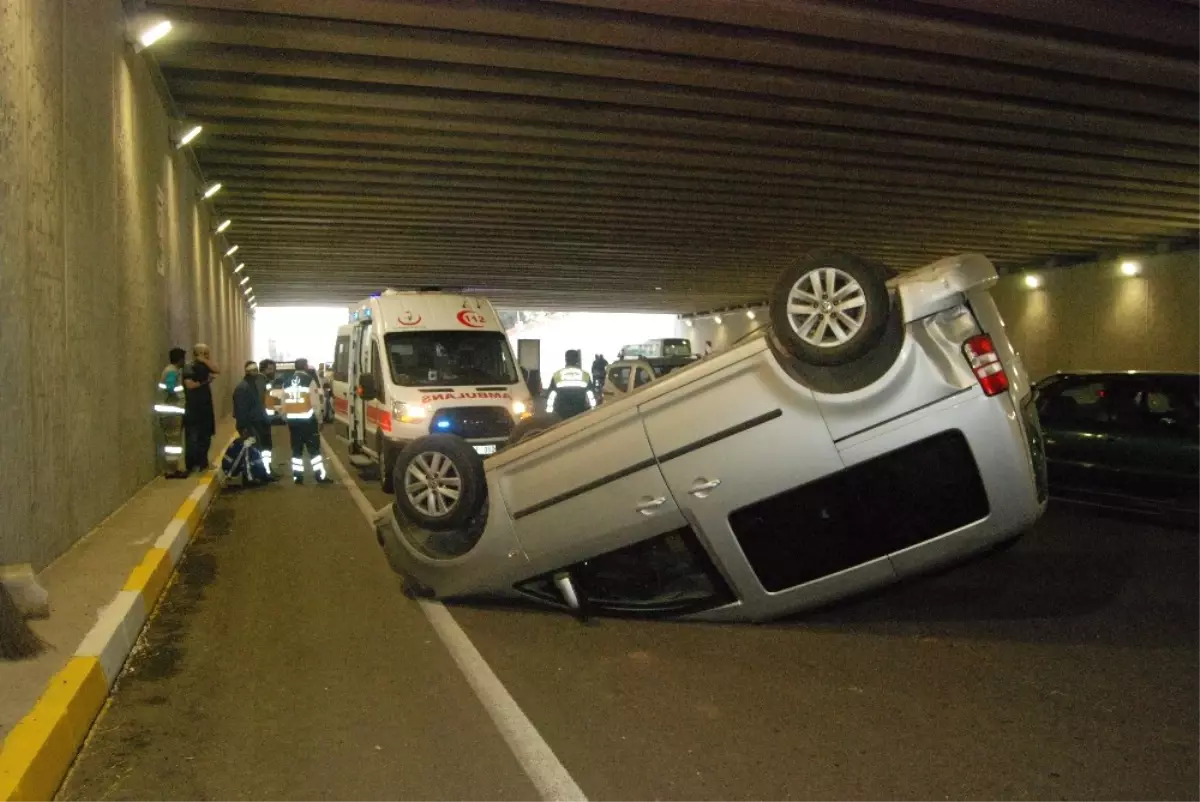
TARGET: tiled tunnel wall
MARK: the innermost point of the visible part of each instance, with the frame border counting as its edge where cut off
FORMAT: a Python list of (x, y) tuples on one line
[(1089, 317), (86, 316)]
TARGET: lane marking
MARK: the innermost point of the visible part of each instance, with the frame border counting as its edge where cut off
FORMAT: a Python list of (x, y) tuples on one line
[(535, 756)]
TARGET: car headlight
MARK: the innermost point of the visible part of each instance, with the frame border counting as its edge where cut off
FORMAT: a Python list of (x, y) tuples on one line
[(409, 413), (519, 409)]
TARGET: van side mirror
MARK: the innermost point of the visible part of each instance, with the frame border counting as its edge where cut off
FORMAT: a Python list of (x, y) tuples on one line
[(366, 387)]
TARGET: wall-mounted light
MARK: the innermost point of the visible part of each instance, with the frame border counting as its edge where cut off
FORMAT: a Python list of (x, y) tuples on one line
[(188, 136), (244, 280), (213, 189), (1032, 281), (1131, 268), (248, 290), (221, 229), (241, 266), (750, 314), (232, 250), (717, 319), (688, 323), (149, 33), (658, 289)]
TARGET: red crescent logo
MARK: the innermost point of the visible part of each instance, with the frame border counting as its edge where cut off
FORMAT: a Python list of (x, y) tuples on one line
[(471, 319), (404, 322)]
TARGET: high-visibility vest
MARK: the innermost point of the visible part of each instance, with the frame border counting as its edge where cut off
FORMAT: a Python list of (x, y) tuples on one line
[(572, 378), (169, 397), (298, 402)]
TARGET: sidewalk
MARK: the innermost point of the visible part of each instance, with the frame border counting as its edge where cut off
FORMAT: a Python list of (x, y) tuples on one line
[(87, 577)]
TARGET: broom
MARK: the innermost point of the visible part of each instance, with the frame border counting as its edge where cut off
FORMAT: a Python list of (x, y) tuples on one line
[(17, 640)]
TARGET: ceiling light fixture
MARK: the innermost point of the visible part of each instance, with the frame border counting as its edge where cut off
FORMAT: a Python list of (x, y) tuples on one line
[(248, 290), (241, 266), (187, 138), (1131, 268), (688, 323), (244, 280), (221, 229), (750, 314), (212, 190), (232, 250), (154, 33)]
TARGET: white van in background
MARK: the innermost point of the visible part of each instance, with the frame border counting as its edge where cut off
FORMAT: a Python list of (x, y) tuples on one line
[(416, 363)]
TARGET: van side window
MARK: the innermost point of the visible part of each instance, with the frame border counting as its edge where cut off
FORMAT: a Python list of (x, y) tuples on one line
[(341, 360), (376, 371), (619, 376), (641, 377)]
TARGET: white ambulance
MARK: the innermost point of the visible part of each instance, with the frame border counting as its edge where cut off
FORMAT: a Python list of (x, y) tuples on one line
[(425, 362)]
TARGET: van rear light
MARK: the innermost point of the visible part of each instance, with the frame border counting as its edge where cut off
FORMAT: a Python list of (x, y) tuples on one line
[(985, 362)]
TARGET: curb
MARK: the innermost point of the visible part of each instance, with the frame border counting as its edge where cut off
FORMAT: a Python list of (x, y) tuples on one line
[(39, 750)]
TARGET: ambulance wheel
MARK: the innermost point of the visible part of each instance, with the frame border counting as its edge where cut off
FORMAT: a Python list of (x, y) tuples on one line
[(830, 308), (386, 466), (439, 483), (531, 426)]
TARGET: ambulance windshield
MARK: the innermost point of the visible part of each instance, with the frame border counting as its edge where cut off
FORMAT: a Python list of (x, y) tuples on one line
[(450, 358)]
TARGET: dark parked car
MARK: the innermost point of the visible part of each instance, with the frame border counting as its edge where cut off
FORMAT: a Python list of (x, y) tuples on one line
[(1123, 440)]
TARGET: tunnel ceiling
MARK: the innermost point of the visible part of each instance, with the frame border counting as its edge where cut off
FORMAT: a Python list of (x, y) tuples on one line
[(673, 154)]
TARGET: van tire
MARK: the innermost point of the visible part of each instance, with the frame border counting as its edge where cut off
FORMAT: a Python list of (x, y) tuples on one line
[(447, 460), (532, 426), (820, 333)]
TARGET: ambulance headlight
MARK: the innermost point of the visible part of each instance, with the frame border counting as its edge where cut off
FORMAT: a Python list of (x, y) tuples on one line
[(520, 409), (409, 413)]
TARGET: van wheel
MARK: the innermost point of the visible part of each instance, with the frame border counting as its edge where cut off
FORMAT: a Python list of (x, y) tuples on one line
[(830, 308), (439, 483), (532, 426)]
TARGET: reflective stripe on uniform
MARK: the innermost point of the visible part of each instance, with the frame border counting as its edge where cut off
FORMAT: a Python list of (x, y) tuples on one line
[(168, 409), (578, 384), (308, 413), (173, 450)]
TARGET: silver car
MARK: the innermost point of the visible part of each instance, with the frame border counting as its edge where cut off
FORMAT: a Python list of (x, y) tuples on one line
[(874, 429)]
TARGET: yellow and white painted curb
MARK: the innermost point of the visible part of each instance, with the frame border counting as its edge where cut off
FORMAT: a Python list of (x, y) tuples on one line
[(39, 750)]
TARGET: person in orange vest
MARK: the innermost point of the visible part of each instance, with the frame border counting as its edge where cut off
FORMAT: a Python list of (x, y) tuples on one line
[(300, 409)]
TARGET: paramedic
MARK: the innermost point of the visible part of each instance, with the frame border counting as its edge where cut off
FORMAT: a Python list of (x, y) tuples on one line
[(571, 389), (249, 412), (300, 409), (199, 419), (263, 380), (169, 406)]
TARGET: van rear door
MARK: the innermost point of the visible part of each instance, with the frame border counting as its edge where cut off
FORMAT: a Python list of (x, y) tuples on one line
[(938, 303)]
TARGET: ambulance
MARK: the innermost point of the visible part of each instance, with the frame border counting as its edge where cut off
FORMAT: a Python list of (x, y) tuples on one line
[(426, 362)]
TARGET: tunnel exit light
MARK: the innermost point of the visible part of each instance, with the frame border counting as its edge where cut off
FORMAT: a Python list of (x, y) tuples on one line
[(154, 33)]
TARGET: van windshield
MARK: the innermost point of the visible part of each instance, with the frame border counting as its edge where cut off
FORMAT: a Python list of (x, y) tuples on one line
[(676, 348), (434, 358)]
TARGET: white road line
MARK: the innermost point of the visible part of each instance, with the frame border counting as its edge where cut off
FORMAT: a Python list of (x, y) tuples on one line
[(536, 757)]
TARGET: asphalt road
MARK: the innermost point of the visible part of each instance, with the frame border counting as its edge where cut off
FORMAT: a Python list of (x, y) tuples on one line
[(285, 663)]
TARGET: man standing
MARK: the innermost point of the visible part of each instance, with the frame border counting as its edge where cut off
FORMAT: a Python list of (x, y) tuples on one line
[(599, 371), (264, 381), (571, 389), (169, 406), (300, 406), (199, 419), (249, 413)]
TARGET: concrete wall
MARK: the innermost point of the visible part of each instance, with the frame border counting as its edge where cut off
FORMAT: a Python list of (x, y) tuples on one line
[(1085, 317), (85, 317)]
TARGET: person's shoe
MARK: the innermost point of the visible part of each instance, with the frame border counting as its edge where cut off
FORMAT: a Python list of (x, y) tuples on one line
[(324, 480), (176, 475), (297, 480)]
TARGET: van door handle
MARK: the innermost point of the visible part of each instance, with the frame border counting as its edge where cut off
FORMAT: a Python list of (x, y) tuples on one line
[(649, 505), (703, 487)]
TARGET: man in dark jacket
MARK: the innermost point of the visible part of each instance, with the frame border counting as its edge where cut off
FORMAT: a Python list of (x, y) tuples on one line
[(199, 418), (249, 412)]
